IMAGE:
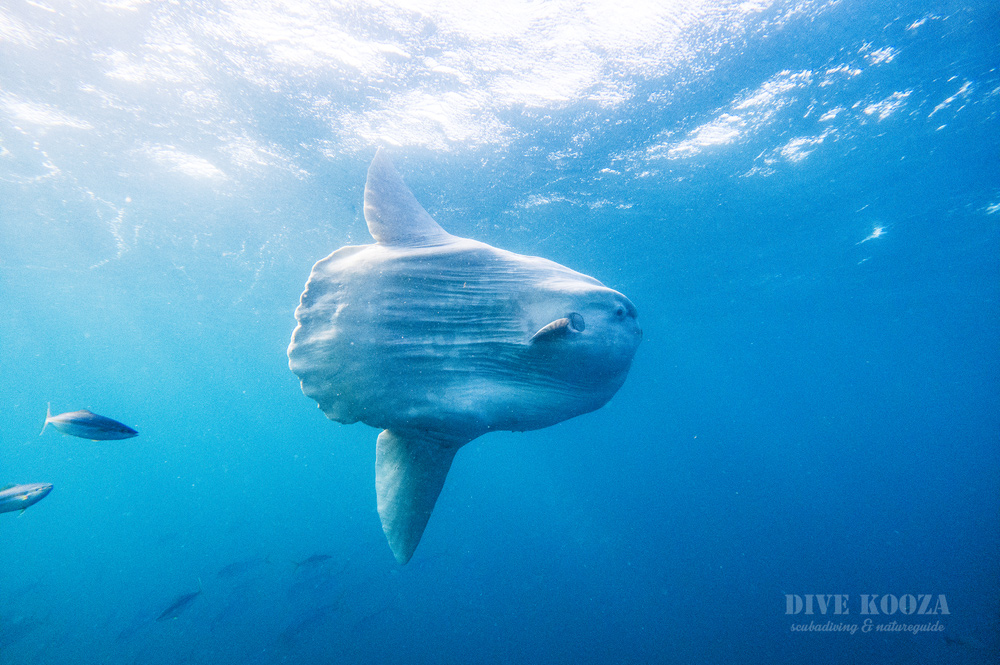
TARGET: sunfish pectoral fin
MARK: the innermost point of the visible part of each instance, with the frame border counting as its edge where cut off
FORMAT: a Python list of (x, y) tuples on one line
[(568, 325), (410, 469)]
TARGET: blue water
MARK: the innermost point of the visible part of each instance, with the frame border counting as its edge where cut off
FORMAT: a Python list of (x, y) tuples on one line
[(802, 199)]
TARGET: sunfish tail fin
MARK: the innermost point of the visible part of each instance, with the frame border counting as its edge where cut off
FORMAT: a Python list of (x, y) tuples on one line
[(48, 417), (410, 470)]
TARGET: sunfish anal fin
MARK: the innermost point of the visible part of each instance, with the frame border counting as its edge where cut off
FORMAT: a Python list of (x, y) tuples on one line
[(393, 214), (410, 470)]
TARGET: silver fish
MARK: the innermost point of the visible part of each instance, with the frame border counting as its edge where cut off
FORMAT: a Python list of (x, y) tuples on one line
[(19, 497), (88, 425)]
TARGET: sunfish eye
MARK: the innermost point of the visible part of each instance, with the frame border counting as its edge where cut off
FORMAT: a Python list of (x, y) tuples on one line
[(576, 322), (620, 312)]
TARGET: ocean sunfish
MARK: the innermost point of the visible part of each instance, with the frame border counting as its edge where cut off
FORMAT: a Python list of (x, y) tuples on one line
[(437, 339)]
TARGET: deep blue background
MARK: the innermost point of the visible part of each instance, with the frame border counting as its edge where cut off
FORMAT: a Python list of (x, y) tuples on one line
[(812, 410)]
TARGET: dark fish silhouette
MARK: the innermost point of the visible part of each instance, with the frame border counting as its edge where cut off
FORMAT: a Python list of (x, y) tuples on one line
[(314, 560), (19, 497), (309, 624), (179, 605), (87, 425)]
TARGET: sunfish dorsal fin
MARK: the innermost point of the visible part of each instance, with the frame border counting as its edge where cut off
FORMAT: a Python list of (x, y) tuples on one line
[(409, 474), (393, 214)]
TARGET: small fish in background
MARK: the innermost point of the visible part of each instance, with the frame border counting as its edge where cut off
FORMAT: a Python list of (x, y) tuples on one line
[(179, 605), (87, 425), (19, 497), (314, 560)]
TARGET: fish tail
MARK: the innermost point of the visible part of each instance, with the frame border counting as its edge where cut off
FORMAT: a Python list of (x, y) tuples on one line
[(48, 417)]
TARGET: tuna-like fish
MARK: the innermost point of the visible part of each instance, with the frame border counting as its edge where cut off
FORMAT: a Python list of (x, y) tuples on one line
[(87, 425), (19, 497), (179, 605), (314, 560)]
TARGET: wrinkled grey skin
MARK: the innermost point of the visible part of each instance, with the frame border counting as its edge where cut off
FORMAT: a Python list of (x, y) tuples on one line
[(438, 339)]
